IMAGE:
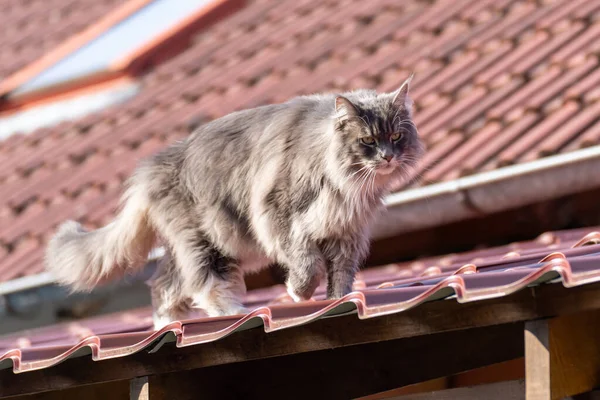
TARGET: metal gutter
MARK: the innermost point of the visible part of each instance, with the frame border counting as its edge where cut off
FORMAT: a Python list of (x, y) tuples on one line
[(463, 198), (26, 283), (46, 279), (490, 192)]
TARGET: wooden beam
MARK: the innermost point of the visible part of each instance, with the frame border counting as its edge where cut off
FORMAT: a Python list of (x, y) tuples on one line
[(512, 370), (593, 395), (348, 372), (432, 385), (509, 390), (434, 317), (109, 390), (562, 356)]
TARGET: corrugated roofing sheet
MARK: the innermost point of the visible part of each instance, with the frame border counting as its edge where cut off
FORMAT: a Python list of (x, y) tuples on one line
[(571, 257), (497, 82)]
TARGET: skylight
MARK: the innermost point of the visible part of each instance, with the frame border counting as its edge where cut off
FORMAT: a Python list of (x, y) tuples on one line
[(119, 41)]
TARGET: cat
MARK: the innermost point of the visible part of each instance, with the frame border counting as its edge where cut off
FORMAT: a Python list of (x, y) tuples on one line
[(296, 184)]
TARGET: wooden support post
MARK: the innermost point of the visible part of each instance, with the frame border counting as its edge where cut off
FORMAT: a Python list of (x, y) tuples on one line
[(537, 361), (562, 356), (139, 389)]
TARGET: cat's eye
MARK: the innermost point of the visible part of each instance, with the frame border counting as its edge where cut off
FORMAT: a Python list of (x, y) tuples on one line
[(368, 140), (396, 136)]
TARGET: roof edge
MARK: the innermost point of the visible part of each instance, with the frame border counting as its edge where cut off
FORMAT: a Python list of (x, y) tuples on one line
[(71, 44), (490, 192), (175, 38), (46, 279)]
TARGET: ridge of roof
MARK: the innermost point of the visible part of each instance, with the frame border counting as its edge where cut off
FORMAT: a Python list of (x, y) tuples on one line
[(71, 44), (162, 47)]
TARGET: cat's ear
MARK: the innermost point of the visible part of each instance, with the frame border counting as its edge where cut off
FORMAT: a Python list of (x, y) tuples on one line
[(400, 98), (344, 109)]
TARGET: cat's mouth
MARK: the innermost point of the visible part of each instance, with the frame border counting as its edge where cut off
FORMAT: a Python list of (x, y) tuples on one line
[(385, 168)]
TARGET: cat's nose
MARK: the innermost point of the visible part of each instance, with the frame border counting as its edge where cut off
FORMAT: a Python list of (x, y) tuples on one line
[(387, 157)]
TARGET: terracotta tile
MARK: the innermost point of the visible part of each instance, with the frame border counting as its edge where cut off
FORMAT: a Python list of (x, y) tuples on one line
[(473, 10), (450, 11), (525, 92), (587, 9), (547, 49), (437, 154), (455, 161), (530, 18), (437, 104), (504, 91), (498, 31), (556, 88), (446, 75), (26, 220), (565, 133), (23, 190), (583, 85), (589, 137), (459, 106), (9, 266), (519, 53), (538, 133), (486, 156), (579, 44)]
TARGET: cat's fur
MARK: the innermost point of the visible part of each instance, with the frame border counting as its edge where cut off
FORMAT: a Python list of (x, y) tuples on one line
[(290, 184)]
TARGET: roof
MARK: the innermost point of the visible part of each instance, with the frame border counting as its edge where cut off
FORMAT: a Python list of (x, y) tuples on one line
[(497, 83), (23, 42), (569, 257)]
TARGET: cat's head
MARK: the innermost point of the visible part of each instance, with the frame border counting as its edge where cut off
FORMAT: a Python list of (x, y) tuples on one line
[(377, 130)]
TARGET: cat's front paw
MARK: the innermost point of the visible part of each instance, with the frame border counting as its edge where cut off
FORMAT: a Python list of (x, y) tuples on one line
[(293, 295)]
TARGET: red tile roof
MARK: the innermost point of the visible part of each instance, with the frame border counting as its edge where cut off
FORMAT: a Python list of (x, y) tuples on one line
[(497, 82), (29, 29), (572, 256)]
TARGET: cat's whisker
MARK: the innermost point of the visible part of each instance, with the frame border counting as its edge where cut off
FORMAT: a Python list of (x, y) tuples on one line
[(374, 176), (358, 171), (363, 180)]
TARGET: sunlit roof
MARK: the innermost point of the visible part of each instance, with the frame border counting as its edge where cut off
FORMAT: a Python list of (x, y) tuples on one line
[(124, 38)]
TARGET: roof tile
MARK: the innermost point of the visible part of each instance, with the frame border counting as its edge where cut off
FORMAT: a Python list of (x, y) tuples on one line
[(472, 276), (589, 137), (536, 134)]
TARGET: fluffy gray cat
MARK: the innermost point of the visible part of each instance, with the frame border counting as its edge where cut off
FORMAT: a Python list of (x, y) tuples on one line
[(294, 184)]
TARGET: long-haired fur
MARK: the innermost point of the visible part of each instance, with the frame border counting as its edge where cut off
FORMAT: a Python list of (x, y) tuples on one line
[(294, 184)]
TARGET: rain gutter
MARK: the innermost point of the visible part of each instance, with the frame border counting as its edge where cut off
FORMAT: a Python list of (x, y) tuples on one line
[(490, 192)]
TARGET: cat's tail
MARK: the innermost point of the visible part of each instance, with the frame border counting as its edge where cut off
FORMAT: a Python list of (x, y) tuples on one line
[(80, 259)]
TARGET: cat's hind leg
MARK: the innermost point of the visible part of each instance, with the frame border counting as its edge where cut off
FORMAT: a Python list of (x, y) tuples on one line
[(213, 281), (166, 288)]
